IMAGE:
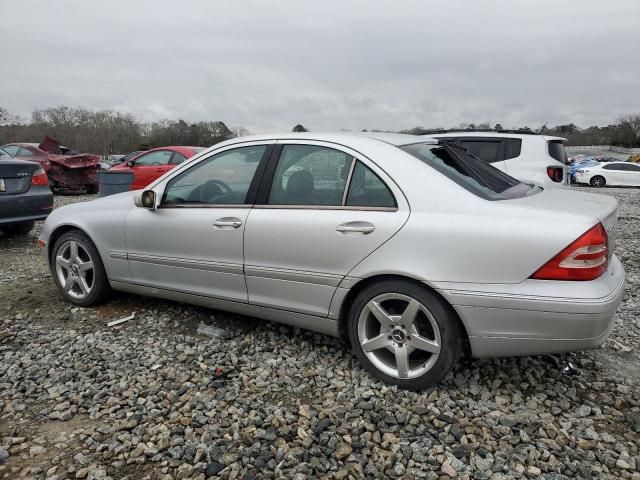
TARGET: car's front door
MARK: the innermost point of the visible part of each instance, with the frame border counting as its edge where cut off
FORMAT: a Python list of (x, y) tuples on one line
[(150, 166), (321, 210), (193, 241)]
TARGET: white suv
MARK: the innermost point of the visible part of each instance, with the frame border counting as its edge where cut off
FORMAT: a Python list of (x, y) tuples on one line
[(525, 156)]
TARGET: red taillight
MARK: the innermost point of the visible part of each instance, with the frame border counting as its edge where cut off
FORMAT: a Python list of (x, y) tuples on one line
[(585, 259), (39, 177), (555, 173)]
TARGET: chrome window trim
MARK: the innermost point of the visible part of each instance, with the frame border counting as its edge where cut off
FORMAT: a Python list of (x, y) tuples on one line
[(328, 207), (206, 205)]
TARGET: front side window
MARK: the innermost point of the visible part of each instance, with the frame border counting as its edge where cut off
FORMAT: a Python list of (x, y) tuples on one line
[(222, 179), (469, 172), (366, 189), (160, 157), (310, 175)]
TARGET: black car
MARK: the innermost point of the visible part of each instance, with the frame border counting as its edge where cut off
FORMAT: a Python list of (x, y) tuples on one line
[(25, 196)]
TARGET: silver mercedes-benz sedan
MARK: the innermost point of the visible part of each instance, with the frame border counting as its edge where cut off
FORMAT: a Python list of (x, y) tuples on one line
[(414, 250)]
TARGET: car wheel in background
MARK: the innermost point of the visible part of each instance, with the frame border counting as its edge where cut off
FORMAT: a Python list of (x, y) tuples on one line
[(78, 270), (404, 334), (598, 181), (16, 229)]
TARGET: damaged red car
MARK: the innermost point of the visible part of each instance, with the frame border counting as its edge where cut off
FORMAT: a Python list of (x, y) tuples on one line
[(66, 169)]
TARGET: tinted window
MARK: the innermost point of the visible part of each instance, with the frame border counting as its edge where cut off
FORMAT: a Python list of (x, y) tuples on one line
[(469, 172), (366, 189), (486, 150), (611, 166), (557, 151), (178, 158), (11, 149), (633, 168), (161, 157), (223, 179), (310, 175), (512, 148)]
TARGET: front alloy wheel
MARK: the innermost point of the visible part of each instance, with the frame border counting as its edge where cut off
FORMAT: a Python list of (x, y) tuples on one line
[(404, 334), (78, 270)]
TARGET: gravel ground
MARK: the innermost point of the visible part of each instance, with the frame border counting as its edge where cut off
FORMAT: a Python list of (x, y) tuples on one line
[(159, 397)]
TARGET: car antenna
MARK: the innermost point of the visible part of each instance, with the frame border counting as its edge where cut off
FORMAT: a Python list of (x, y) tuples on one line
[(542, 128)]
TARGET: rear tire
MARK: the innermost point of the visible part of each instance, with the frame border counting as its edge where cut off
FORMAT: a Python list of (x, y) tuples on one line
[(78, 270), (17, 229), (91, 189), (598, 181), (403, 334)]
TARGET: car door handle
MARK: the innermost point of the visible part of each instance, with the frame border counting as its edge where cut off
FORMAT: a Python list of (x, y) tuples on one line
[(227, 222), (364, 228)]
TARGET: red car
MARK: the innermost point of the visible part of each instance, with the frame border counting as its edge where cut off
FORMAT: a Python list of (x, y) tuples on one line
[(152, 164), (66, 169)]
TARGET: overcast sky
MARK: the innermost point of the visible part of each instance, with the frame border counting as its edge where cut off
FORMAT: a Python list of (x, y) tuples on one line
[(267, 65)]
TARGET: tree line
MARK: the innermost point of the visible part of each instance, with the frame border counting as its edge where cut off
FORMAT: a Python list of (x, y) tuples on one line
[(112, 132)]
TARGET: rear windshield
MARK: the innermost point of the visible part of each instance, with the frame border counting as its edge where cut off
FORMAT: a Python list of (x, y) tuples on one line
[(468, 171), (557, 151)]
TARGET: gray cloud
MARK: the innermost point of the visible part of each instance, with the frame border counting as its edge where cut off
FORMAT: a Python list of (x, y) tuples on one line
[(328, 65)]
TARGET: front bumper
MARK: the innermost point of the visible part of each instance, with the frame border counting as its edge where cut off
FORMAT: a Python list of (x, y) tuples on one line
[(538, 316)]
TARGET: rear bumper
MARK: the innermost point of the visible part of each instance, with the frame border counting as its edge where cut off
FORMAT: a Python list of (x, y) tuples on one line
[(539, 316), (72, 178), (36, 204)]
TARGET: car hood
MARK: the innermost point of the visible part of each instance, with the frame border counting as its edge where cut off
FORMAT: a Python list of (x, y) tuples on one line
[(559, 200)]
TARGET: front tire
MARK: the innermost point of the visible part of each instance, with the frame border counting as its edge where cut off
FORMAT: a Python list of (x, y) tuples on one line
[(404, 334), (78, 270), (598, 181)]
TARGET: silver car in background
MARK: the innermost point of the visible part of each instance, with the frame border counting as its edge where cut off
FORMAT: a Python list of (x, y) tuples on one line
[(412, 249)]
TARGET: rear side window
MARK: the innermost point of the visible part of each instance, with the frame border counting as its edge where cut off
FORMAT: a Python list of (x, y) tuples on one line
[(557, 151), (368, 190), (177, 158), (467, 171), (512, 148), (23, 152), (486, 150)]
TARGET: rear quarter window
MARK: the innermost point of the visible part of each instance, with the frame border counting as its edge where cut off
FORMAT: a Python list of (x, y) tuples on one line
[(557, 151)]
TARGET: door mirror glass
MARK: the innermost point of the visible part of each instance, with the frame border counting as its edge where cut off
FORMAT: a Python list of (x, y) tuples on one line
[(148, 199), (130, 163)]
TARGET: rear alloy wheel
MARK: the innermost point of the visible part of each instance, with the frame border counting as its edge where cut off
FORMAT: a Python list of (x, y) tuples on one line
[(78, 270), (598, 181), (403, 334)]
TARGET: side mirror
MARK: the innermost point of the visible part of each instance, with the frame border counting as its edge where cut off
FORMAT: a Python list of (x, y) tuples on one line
[(146, 199), (130, 163)]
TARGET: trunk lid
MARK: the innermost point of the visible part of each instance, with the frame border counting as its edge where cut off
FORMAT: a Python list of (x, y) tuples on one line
[(15, 176)]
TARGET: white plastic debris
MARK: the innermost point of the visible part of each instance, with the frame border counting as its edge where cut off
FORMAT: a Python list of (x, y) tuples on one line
[(210, 330), (113, 323), (156, 366)]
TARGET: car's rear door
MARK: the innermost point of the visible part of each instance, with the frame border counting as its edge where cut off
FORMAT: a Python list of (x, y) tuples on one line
[(633, 172), (321, 209), (193, 241)]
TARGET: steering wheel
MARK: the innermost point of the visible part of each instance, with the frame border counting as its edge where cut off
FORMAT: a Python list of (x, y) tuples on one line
[(212, 189)]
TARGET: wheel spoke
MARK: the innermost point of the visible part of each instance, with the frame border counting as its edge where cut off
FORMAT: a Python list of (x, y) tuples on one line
[(69, 283), (63, 262), (410, 313), (82, 283), (381, 341), (402, 362), (73, 251), (381, 315), (85, 266), (422, 343)]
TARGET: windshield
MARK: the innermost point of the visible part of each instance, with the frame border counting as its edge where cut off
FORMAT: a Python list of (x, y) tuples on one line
[(468, 171)]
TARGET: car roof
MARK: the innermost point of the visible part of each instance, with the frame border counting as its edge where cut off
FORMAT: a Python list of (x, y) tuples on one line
[(395, 139), (492, 133)]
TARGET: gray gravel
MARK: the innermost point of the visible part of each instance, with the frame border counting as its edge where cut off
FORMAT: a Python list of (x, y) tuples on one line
[(153, 398)]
